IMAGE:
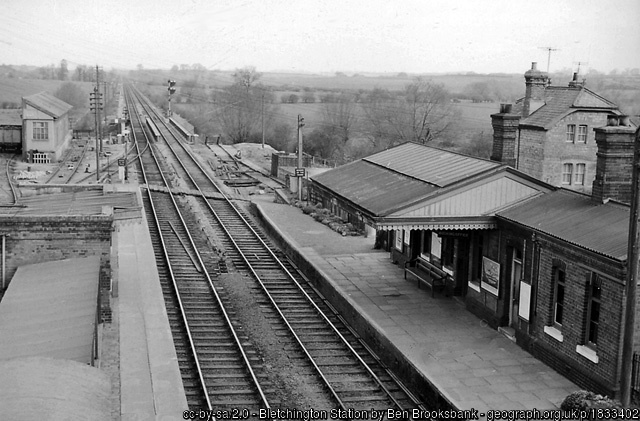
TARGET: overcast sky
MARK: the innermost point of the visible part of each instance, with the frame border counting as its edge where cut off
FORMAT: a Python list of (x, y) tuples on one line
[(414, 36)]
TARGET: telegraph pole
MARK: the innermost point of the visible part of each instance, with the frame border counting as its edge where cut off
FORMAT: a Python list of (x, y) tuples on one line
[(263, 119), (95, 98), (300, 169), (633, 253), (106, 101), (98, 108)]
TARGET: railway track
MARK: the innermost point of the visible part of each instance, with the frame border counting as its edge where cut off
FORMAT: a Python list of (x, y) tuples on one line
[(351, 373), (217, 364), (65, 171)]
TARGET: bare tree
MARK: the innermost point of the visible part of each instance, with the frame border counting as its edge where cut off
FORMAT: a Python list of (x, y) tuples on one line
[(422, 113), (240, 106), (247, 77), (339, 116)]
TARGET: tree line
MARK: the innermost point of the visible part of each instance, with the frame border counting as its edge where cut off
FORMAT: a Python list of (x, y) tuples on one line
[(351, 125)]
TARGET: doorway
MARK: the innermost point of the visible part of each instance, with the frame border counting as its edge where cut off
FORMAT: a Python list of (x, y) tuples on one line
[(516, 278)]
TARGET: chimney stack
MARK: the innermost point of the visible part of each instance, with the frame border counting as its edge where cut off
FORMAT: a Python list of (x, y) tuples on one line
[(535, 82), (574, 82), (505, 132), (614, 165)]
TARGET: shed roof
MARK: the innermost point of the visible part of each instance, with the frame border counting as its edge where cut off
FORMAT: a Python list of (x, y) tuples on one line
[(88, 202), (49, 310), (577, 219), (39, 388), (48, 104), (11, 117)]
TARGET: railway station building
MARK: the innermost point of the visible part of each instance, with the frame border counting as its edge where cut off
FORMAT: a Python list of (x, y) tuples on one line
[(45, 128), (543, 264)]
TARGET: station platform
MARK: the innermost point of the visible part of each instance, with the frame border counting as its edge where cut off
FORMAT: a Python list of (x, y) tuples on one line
[(471, 365), (150, 383)]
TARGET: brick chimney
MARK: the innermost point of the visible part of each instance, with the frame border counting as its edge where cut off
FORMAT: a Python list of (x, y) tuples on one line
[(614, 166), (535, 82), (574, 82), (505, 133)]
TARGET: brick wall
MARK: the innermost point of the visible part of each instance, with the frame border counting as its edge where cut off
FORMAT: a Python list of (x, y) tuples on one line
[(558, 151), (531, 152), (505, 130), (36, 239), (615, 163), (579, 263)]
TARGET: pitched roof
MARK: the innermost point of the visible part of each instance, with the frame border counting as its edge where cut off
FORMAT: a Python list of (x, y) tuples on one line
[(406, 182), (373, 187), (48, 104), (562, 100), (431, 165), (577, 219)]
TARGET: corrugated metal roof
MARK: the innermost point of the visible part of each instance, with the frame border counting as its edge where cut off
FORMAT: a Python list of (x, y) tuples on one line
[(72, 203), (49, 310), (12, 117), (577, 219), (432, 165), (48, 103), (372, 187)]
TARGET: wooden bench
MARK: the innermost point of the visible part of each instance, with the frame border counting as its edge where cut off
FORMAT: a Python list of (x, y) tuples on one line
[(426, 273)]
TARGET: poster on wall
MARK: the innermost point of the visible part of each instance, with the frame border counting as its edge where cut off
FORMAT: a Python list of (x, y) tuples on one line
[(436, 245), (490, 276)]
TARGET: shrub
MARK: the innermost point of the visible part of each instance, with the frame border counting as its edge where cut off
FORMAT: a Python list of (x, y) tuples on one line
[(583, 399)]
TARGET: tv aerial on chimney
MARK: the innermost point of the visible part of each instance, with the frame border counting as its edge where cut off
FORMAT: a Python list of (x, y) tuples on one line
[(549, 49)]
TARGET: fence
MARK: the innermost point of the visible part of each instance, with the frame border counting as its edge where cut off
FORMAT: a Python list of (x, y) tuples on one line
[(635, 376)]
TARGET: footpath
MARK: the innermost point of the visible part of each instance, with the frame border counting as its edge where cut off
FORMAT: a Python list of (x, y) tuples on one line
[(471, 365)]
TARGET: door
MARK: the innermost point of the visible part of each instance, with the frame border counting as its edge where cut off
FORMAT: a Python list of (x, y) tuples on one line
[(516, 278)]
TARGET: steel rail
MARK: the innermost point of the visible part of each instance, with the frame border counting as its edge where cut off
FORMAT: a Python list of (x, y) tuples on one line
[(168, 262), (290, 276), (215, 291)]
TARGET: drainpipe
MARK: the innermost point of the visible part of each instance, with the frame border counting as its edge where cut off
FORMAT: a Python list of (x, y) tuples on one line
[(4, 261), (518, 153)]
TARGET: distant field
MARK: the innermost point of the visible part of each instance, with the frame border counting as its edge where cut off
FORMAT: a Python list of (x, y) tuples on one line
[(12, 89), (473, 117)]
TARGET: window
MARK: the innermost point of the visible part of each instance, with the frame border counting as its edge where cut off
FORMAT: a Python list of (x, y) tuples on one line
[(571, 132), (594, 294), (425, 249), (582, 134), (558, 295), (567, 172), (578, 177), (40, 130)]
